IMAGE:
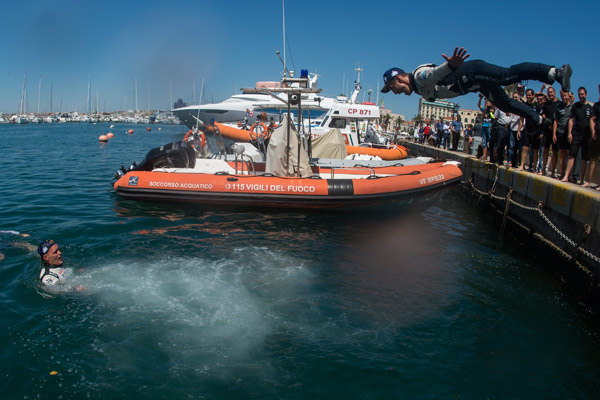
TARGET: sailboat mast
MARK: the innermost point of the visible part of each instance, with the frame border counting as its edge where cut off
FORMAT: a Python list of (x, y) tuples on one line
[(136, 94), (22, 104), (88, 103), (39, 93), (201, 91)]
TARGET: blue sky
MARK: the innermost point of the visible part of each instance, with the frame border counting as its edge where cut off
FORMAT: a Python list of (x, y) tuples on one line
[(232, 44)]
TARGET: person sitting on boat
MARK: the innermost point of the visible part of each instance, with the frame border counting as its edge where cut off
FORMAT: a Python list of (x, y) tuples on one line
[(272, 125), (456, 77), (52, 272)]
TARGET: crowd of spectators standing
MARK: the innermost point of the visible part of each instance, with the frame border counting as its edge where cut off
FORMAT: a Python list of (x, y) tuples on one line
[(566, 146)]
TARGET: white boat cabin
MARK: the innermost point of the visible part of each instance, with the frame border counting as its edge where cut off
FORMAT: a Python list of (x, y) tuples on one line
[(351, 119)]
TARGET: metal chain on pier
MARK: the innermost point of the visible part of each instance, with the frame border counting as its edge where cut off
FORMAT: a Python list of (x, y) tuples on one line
[(567, 239), (539, 211)]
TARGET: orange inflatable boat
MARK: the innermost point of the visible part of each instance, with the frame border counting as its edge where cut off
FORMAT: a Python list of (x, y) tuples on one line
[(173, 174)]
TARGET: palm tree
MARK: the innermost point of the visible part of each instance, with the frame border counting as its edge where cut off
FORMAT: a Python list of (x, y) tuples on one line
[(399, 120), (418, 119), (385, 121)]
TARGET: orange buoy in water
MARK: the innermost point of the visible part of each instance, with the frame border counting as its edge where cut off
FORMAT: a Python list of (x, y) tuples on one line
[(103, 139), (130, 131), (109, 135), (148, 129)]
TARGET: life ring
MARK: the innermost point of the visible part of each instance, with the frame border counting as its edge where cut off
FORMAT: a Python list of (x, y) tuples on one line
[(202, 139), (187, 135), (263, 133)]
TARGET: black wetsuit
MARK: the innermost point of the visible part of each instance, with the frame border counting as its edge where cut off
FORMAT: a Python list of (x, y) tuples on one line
[(478, 76)]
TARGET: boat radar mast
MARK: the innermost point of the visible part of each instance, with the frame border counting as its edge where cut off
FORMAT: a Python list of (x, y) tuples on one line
[(294, 88)]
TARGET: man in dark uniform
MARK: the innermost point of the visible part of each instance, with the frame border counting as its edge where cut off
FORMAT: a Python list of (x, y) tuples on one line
[(560, 134), (549, 111), (531, 134), (456, 77), (579, 135)]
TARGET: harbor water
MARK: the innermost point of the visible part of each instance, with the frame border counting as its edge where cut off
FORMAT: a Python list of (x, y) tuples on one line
[(412, 300)]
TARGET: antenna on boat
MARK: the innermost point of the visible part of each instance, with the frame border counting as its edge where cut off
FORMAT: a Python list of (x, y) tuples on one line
[(283, 18), (285, 70), (357, 87)]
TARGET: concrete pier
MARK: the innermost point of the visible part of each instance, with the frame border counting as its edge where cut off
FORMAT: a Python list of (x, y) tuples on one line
[(559, 221)]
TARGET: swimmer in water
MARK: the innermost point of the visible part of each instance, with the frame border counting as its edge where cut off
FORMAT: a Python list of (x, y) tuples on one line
[(52, 272)]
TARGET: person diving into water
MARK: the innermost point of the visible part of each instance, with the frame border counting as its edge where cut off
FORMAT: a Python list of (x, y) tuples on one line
[(457, 77)]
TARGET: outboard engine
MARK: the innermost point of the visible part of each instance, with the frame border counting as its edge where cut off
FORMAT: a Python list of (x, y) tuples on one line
[(172, 155)]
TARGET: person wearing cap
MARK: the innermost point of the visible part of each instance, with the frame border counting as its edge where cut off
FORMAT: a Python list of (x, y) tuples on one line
[(455, 77), (52, 272)]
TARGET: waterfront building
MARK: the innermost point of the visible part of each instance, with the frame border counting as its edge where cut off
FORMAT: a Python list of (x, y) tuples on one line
[(439, 109), (393, 118), (468, 116)]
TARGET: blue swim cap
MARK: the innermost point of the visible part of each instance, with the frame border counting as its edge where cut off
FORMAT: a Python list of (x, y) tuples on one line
[(45, 246)]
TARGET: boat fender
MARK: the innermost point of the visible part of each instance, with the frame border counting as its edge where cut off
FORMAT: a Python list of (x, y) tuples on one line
[(254, 134)]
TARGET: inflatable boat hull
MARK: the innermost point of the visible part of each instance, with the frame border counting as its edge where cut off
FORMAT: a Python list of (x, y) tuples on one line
[(343, 188)]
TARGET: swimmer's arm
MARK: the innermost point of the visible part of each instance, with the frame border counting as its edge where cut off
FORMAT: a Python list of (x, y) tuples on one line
[(25, 245)]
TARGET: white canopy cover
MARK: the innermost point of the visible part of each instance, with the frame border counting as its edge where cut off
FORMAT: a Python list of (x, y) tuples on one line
[(277, 162)]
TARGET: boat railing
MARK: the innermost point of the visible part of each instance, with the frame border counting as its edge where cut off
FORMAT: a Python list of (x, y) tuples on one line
[(246, 160)]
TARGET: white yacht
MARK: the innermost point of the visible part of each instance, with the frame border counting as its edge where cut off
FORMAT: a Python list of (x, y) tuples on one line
[(248, 105)]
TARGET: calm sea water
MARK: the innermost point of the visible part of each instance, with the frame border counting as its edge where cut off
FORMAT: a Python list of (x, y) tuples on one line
[(413, 300)]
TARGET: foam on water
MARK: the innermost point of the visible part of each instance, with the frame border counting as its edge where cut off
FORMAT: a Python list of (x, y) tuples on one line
[(193, 305)]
